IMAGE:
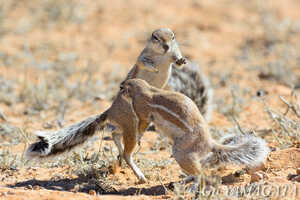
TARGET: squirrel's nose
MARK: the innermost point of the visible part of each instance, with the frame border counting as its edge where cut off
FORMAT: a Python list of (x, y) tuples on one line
[(166, 47)]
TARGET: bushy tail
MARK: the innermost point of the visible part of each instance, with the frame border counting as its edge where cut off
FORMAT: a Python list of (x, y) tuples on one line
[(239, 149), (192, 82), (61, 140)]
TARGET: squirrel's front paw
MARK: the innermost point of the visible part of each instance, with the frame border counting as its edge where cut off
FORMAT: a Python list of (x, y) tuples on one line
[(181, 61)]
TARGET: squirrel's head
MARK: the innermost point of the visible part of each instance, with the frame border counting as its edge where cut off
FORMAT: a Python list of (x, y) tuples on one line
[(134, 87), (162, 42)]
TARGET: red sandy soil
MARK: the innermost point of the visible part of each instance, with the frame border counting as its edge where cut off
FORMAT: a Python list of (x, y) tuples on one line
[(112, 35)]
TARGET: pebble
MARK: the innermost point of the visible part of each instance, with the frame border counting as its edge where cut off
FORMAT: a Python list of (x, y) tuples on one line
[(92, 192), (36, 187), (256, 176)]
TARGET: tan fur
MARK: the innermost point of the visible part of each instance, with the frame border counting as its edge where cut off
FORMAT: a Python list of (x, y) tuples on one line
[(177, 116)]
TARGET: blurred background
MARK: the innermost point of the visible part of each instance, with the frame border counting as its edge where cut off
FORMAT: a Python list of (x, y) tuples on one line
[(54, 53), (61, 61)]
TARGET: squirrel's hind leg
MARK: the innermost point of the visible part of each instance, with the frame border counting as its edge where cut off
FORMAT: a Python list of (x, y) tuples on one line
[(117, 137), (186, 160), (130, 142)]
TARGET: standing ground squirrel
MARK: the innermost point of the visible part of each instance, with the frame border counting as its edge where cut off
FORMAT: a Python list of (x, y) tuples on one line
[(154, 65), (178, 117)]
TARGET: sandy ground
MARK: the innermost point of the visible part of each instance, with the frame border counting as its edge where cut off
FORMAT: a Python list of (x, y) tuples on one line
[(61, 62)]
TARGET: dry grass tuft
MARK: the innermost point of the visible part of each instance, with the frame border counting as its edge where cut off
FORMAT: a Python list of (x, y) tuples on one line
[(286, 125)]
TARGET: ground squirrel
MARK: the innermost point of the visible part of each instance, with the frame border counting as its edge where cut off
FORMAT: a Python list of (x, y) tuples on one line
[(153, 65), (177, 116)]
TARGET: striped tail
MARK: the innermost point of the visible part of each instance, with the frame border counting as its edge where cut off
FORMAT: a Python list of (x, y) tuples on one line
[(51, 143)]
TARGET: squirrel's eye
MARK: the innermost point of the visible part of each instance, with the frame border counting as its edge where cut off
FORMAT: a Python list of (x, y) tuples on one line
[(122, 89), (155, 38), (173, 38)]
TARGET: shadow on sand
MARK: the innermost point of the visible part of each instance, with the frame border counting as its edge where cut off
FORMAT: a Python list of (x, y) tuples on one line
[(84, 185)]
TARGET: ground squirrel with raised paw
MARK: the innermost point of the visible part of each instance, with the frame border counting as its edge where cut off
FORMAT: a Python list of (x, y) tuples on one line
[(153, 65)]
